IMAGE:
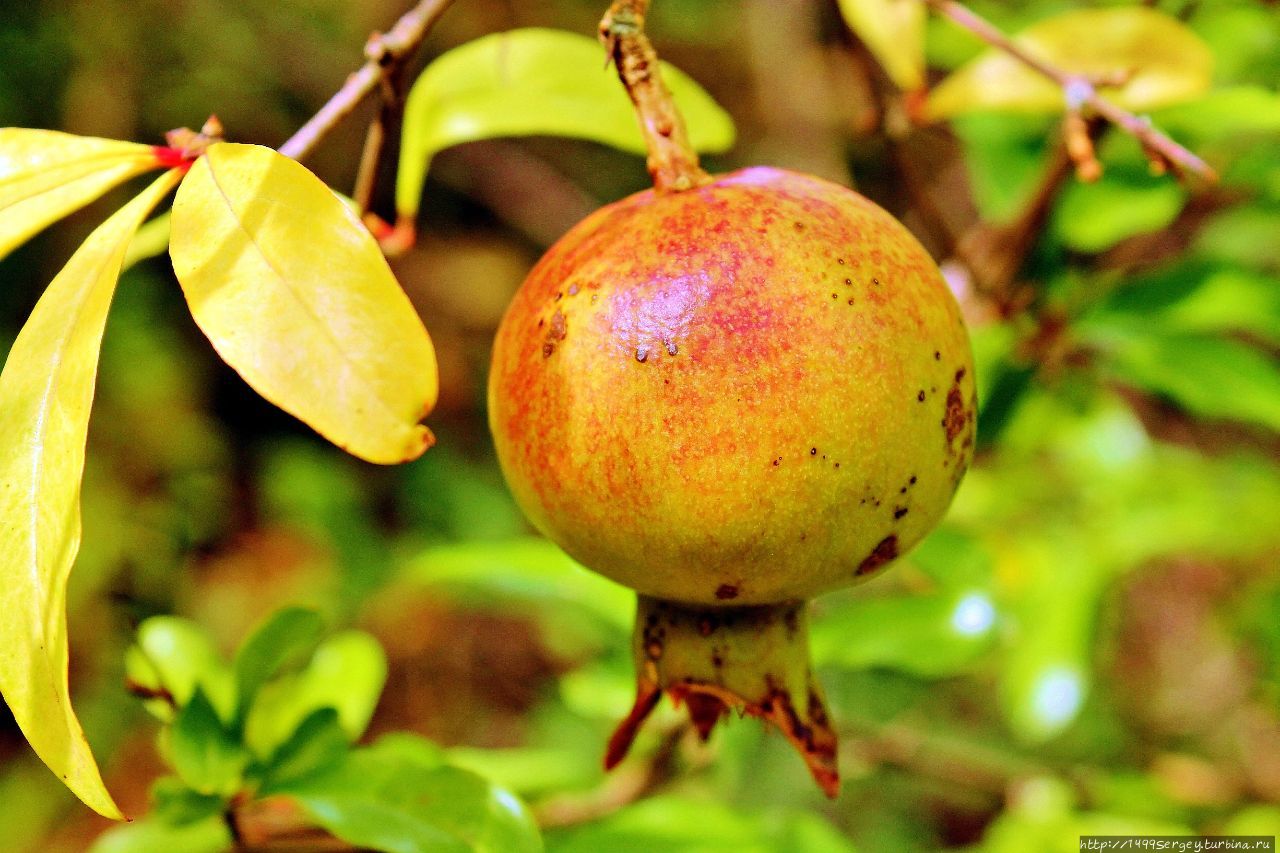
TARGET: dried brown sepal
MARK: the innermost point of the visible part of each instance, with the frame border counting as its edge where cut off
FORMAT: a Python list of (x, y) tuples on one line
[(712, 659)]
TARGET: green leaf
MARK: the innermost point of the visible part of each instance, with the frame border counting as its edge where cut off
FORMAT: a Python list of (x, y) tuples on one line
[(397, 796), (674, 822), (1188, 297), (46, 390), (893, 30), (1161, 60), (534, 82), (318, 743), (346, 673), (284, 639), (533, 769), (210, 835), (175, 804), (1006, 157), (1212, 377), (1248, 235), (44, 175), (954, 560), (294, 293), (927, 635), (151, 240), (1239, 111), (206, 755), (1046, 675), (530, 569), (1091, 217), (180, 656)]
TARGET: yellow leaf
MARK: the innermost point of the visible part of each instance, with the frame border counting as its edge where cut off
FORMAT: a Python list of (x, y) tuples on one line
[(45, 392), (893, 30), (44, 175), (1158, 60), (294, 294)]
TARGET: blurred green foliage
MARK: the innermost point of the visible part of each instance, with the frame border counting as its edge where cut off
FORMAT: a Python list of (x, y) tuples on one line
[(1089, 643)]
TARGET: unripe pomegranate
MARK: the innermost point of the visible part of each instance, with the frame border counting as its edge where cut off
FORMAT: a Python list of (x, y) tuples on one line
[(730, 397), (746, 393)]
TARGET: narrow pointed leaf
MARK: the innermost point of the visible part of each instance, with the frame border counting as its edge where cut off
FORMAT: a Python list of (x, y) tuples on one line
[(152, 239), (286, 638), (534, 82), (1160, 60), (45, 392), (294, 294), (44, 175), (893, 30), (206, 755)]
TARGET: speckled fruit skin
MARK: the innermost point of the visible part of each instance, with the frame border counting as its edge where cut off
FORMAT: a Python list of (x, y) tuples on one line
[(745, 393)]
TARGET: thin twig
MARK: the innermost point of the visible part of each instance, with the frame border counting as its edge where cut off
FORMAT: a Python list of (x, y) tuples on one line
[(384, 124), (385, 53), (673, 163), (1080, 91)]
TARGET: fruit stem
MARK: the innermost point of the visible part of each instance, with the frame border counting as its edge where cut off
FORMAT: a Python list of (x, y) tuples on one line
[(672, 162), (752, 659)]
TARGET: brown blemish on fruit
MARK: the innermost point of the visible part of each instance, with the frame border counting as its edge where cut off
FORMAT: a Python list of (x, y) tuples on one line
[(920, 395), (672, 348), (813, 451), (727, 591), (885, 550), (937, 356), (557, 332), (954, 419), (653, 649), (899, 511)]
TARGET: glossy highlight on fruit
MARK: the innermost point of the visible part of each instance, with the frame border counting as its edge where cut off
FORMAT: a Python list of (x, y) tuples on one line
[(731, 398)]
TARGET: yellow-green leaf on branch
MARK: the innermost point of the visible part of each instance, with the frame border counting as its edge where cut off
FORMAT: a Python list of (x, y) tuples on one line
[(534, 82), (294, 294), (893, 30), (151, 239), (1149, 59), (46, 390), (44, 175)]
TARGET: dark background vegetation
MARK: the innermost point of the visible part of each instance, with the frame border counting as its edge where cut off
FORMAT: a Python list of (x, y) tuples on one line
[(1090, 643)]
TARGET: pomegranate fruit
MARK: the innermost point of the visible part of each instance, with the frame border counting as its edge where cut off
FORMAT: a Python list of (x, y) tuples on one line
[(732, 398)]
